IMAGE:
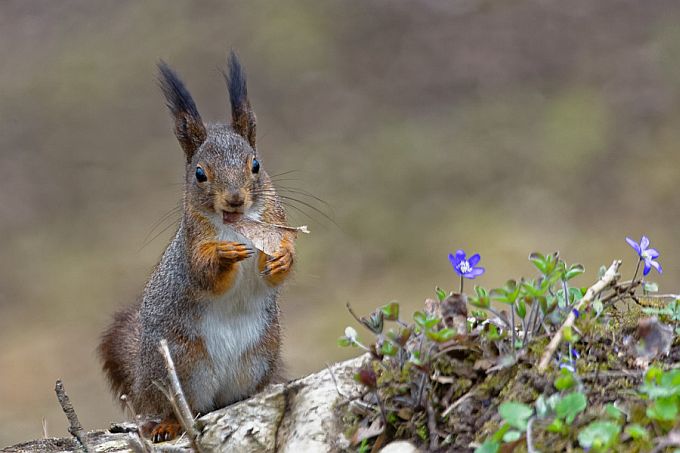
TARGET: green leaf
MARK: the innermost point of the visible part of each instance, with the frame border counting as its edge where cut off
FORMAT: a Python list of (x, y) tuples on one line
[(552, 401), (390, 311), (511, 436), (663, 409), (565, 380), (420, 317), (425, 321), (401, 336), (599, 435), (344, 342), (535, 289), (650, 287), (516, 414), (488, 446), (637, 431), (499, 295), (415, 358), (493, 334), (569, 336), (557, 426), (576, 293), (441, 295), (498, 435), (479, 315), (539, 261), (574, 271), (601, 271), (388, 348), (541, 407), (570, 406), (598, 306), (442, 335), (480, 301), (512, 289), (546, 264), (430, 322), (653, 374), (521, 308), (446, 334), (614, 412)]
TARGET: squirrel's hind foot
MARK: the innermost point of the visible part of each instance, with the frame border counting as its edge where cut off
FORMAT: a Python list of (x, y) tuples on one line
[(163, 431)]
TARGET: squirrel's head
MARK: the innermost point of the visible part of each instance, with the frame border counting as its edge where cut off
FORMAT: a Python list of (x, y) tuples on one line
[(223, 175)]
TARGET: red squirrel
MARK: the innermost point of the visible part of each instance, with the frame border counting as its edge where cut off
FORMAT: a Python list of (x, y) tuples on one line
[(213, 296)]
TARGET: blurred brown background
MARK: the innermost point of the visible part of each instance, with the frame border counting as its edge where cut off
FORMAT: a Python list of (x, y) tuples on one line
[(498, 127)]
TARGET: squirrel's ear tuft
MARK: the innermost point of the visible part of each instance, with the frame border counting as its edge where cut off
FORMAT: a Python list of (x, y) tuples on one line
[(189, 127), (242, 115)]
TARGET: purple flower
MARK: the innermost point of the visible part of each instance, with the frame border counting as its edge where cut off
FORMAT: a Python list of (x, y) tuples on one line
[(574, 353), (646, 254), (568, 366), (466, 267)]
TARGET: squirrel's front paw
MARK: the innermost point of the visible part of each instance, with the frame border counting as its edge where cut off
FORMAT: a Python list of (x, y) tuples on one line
[(275, 268), (232, 252)]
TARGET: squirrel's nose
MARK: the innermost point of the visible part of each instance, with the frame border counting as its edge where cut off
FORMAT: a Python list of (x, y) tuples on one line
[(235, 199)]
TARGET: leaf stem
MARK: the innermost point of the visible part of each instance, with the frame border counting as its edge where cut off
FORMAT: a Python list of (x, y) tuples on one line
[(512, 314)]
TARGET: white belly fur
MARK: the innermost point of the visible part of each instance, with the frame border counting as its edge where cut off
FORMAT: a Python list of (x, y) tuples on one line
[(232, 323)]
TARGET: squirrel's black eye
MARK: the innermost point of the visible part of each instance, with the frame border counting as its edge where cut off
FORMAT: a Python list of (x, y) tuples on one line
[(256, 166), (200, 175)]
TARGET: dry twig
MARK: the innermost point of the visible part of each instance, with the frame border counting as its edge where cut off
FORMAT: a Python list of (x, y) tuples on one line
[(137, 440), (457, 403), (75, 428), (432, 426), (177, 398), (530, 441), (610, 276)]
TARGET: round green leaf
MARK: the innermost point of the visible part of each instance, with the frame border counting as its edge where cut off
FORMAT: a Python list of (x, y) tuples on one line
[(637, 431), (599, 433), (488, 447), (570, 406), (516, 414)]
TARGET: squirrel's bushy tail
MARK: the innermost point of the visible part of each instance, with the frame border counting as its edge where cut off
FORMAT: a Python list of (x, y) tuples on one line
[(119, 350)]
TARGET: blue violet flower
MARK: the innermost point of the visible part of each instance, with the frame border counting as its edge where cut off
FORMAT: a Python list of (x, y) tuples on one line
[(465, 267), (646, 254)]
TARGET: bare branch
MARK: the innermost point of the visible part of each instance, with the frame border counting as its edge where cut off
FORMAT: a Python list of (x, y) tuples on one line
[(610, 276), (177, 398), (139, 441), (75, 428)]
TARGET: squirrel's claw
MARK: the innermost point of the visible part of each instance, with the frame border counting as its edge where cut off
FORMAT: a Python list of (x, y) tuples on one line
[(163, 431), (278, 264), (233, 252)]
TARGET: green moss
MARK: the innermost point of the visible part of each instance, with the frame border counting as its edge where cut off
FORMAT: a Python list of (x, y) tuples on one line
[(454, 377)]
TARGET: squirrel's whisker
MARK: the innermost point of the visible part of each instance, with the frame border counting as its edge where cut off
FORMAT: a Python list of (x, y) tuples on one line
[(310, 206), (155, 236), (272, 196), (283, 173), (304, 193), (176, 210)]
